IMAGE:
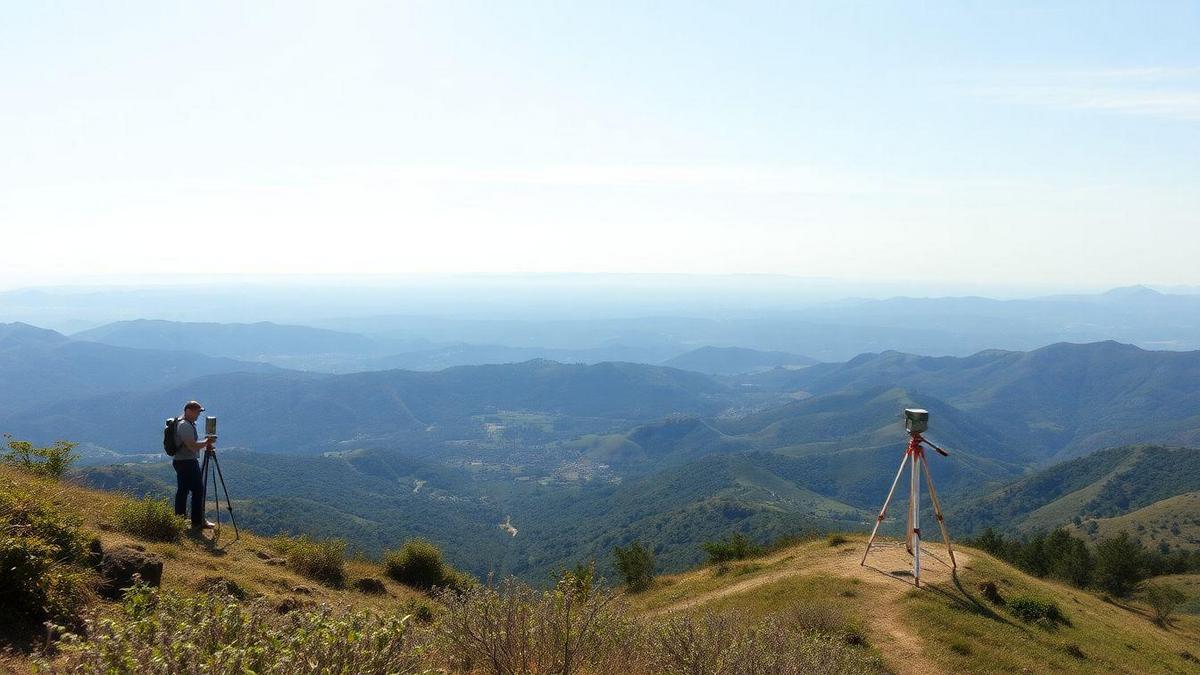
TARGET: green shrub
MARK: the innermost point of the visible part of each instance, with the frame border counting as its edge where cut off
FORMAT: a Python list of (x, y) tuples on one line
[(1033, 610), (419, 564), (635, 565), (150, 519), (837, 539), (1163, 601), (322, 560), (44, 563), (169, 633), (737, 547), (50, 462)]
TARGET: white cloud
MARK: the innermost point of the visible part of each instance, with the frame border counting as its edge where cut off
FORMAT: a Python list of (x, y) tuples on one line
[(1169, 93)]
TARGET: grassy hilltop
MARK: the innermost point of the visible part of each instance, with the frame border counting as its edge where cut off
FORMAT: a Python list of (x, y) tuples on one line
[(808, 607)]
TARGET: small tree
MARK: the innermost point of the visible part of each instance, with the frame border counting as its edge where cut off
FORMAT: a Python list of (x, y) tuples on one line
[(1163, 601), (635, 564), (1070, 559), (1119, 562), (51, 461), (737, 547), (991, 542)]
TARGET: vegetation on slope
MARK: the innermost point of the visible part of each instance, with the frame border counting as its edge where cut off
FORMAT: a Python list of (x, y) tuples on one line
[(948, 625), (231, 606)]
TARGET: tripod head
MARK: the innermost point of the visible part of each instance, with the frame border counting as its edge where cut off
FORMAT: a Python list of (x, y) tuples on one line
[(916, 422)]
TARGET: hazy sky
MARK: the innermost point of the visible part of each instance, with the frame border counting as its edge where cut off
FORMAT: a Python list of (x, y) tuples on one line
[(1042, 142)]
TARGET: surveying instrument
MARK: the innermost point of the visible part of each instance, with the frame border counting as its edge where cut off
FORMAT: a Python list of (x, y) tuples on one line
[(212, 466), (916, 422)]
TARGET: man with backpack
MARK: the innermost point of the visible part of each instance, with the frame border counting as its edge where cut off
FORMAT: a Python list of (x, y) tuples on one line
[(186, 462)]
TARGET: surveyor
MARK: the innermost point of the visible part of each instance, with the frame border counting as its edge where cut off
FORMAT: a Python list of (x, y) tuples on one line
[(187, 465)]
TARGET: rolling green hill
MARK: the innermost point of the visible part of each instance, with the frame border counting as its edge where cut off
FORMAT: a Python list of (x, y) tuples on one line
[(1170, 523), (1053, 403), (1103, 485)]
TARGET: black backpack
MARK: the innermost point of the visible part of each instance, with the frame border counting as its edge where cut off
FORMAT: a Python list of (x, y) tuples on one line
[(169, 445)]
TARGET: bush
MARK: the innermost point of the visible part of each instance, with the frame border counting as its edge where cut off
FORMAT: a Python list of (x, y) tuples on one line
[(323, 560), (50, 462), (737, 547), (150, 519), (1033, 610), (43, 557), (730, 644), (169, 633), (836, 539), (515, 628), (823, 619), (1163, 601), (635, 565), (419, 564)]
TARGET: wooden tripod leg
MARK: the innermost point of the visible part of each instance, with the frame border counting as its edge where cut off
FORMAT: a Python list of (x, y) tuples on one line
[(937, 511), (883, 511)]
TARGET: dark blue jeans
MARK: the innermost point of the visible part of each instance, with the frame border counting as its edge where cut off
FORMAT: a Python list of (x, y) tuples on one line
[(189, 479)]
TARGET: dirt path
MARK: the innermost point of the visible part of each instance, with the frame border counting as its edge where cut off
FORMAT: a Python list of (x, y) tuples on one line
[(888, 571)]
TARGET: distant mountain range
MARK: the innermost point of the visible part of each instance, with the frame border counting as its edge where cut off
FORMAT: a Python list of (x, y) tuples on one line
[(246, 341), (40, 368), (585, 456), (735, 360), (827, 331)]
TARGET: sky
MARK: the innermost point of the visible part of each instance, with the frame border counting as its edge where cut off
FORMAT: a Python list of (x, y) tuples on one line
[(965, 143)]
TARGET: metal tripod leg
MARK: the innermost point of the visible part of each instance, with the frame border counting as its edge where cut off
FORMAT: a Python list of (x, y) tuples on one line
[(914, 504), (204, 469), (216, 496), (883, 511), (937, 511), (228, 505)]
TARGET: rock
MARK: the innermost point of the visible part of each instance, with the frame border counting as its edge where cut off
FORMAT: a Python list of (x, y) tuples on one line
[(991, 593), (95, 553), (288, 604), (369, 586), (302, 590), (263, 555), (122, 566), (278, 562), (219, 585)]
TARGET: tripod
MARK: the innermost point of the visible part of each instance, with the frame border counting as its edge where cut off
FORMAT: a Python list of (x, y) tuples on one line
[(915, 452), (213, 465)]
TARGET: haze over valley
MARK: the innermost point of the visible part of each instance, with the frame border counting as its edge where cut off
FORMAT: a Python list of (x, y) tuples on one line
[(586, 434)]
